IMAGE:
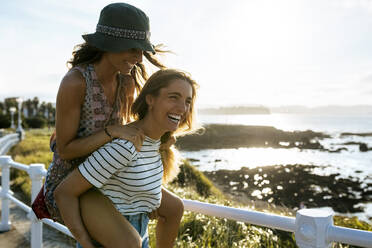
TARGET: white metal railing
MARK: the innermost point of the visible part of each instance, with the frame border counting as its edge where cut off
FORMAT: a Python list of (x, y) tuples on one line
[(312, 227), (36, 173), (7, 142)]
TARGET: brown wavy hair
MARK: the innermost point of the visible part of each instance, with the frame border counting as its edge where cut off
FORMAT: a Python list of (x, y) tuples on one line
[(84, 54), (157, 81)]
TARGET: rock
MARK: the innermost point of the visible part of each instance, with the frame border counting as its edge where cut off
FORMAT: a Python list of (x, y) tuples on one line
[(357, 134), (217, 136), (338, 150), (193, 160), (363, 147), (289, 185)]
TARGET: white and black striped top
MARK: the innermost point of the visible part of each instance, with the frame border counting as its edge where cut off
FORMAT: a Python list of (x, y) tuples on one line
[(130, 179)]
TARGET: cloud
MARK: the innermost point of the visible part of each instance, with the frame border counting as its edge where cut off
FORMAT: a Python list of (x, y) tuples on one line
[(364, 84), (366, 79), (354, 4)]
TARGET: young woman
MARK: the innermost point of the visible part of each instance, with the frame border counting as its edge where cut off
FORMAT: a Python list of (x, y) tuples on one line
[(93, 103), (131, 179)]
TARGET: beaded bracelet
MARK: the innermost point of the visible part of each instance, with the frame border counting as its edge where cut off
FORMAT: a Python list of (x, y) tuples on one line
[(108, 134)]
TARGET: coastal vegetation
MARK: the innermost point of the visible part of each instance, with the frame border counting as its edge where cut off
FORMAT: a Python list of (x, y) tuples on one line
[(220, 187)]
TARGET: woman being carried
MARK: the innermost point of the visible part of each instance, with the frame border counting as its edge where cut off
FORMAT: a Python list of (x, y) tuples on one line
[(131, 179), (93, 102)]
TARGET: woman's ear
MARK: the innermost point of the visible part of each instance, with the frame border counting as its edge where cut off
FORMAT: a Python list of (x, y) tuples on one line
[(150, 100)]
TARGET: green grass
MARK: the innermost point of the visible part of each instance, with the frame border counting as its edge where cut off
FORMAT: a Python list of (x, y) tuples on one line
[(190, 176), (196, 230), (33, 149), (351, 222)]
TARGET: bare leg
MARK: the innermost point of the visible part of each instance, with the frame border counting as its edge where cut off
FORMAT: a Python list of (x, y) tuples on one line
[(105, 224), (171, 208)]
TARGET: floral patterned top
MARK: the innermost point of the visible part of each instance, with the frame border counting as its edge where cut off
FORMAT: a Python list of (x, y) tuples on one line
[(95, 112)]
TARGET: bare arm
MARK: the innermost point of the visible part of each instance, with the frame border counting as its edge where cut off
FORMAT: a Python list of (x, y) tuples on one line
[(67, 198), (95, 170), (70, 99)]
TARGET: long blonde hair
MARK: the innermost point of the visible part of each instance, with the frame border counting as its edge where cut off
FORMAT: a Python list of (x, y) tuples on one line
[(158, 80)]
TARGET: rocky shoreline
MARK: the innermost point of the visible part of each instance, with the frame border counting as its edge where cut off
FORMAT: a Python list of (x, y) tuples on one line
[(294, 187), (218, 136)]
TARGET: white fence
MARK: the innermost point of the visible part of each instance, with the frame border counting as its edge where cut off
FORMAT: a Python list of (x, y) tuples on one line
[(7, 142), (313, 228)]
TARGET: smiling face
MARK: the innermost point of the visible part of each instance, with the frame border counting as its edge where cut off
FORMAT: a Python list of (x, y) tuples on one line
[(124, 61), (170, 107), (166, 104)]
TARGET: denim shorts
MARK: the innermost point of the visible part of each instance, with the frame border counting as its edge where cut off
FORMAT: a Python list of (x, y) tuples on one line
[(140, 223)]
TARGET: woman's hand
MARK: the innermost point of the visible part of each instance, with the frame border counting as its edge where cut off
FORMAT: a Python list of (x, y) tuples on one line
[(128, 132), (154, 215)]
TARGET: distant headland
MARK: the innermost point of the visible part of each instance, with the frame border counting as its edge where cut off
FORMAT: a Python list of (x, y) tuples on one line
[(236, 110), (289, 109)]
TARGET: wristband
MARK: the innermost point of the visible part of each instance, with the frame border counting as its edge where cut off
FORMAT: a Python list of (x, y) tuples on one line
[(108, 134)]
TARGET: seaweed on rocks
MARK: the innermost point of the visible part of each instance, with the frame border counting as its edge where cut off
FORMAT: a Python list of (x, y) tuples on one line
[(295, 186)]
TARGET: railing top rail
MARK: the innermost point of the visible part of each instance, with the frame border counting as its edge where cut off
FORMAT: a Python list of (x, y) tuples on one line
[(8, 136), (18, 166), (9, 161), (249, 216), (350, 236), (58, 226), (7, 142)]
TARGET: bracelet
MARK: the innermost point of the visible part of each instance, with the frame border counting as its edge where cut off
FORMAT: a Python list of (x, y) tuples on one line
[(108, 134)]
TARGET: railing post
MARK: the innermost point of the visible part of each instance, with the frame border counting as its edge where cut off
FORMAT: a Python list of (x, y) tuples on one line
[(312, 228), (36, 174), (5, 222)]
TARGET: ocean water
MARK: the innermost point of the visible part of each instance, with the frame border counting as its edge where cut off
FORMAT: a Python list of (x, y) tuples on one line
[(348, 163), (290, 122)]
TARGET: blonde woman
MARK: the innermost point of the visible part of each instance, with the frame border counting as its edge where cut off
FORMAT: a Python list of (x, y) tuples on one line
[(93, 104), (131, 179)]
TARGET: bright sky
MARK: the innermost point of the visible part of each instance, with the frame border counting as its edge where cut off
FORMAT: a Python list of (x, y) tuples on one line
[(269, 52)]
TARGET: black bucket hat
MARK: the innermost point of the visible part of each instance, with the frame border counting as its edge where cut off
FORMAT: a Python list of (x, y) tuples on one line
[(121, 27)]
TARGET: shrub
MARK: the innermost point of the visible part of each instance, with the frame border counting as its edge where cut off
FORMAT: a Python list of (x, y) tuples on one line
[(189, 176), (4, 121), (36, 122)]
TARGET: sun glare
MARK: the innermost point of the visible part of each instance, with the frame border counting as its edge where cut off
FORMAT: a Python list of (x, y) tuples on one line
[(269, 37)]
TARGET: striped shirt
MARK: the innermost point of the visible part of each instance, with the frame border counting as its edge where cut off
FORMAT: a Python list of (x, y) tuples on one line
[(130, 179)]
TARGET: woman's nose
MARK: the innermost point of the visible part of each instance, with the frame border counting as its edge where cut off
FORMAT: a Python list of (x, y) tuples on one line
[(183, 107)]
